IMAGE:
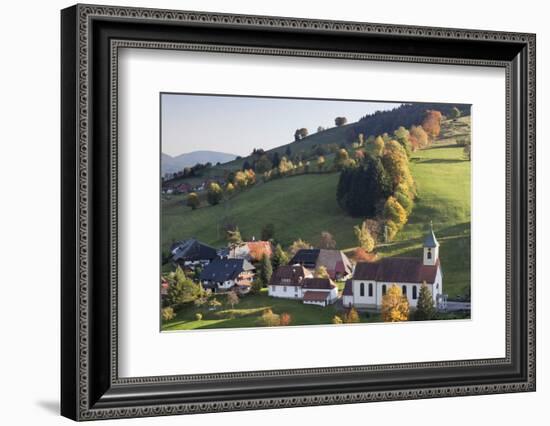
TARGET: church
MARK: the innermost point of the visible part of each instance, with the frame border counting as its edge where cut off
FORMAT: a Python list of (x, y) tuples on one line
[(370, 281)]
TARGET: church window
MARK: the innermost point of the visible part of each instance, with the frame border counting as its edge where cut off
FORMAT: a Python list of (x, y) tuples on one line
[(384, 290), (362, 289), (429, 254), (414, 292), (370, 289), (404, 289)]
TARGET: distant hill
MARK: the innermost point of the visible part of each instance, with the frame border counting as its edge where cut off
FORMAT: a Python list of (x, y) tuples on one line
[(171, 164)]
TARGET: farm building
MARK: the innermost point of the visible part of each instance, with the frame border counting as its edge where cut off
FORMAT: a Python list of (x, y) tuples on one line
[(192, 253), (370, 281), (297, 282), (337, 263), (223, 275)]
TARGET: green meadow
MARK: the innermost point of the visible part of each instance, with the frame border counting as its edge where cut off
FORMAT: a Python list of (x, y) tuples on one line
[(304, 206)]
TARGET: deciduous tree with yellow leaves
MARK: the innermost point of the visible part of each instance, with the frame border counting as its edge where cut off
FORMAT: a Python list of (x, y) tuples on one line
[(395, 306)]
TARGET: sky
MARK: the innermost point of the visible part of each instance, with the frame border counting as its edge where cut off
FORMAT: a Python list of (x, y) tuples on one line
[(236, 125)]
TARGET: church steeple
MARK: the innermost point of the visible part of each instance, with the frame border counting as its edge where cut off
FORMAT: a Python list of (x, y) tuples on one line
[(431, 247)]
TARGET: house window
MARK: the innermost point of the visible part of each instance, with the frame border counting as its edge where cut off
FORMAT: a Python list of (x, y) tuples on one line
[(414, 292), (429, 254), (404, 289), (370, 289), (384, 290), (362, 289)]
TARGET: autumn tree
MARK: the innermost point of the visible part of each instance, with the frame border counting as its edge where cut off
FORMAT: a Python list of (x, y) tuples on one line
[(269, 319), (268, 232), (327, 241), (320, 129), (214, 194), (298, 245), (285, 319), (402, 135), (364, 237), (321, 272), (341, 159), (396, 163), (378, 146), (181, 290), (320, 162), (192, 200), (265, 270), (395, 306), (234, 236), (395, 216), (360, 139), (418, 137), (340, 121), (425, 308), (233, 298), (279, 257), (285, 166), (361, 255), (432, 123), (229, 189), (337, 320), (352, 316)]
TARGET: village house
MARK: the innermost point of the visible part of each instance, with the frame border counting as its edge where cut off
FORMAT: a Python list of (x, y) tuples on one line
[(337, 263), (253, 251), (192, 252), (222, 275), (297, 282), (371, 281)]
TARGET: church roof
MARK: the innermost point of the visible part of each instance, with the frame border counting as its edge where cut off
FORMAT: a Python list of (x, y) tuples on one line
[(397, 270), (430, 240)]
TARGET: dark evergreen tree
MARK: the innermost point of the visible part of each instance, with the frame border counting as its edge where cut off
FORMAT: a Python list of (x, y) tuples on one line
[(361, 188), (265, 270), (425, 309)]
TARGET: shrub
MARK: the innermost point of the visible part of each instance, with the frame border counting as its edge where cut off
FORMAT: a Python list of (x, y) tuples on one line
[(337, 320), (351, 316), (269, 319), (168, 314), (198, 316), (285, 318)]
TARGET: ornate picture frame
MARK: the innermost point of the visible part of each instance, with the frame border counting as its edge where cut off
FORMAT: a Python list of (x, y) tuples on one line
[(90, 39)]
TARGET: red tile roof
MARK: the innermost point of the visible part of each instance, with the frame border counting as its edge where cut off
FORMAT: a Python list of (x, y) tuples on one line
[(396, 269), (316, 296)]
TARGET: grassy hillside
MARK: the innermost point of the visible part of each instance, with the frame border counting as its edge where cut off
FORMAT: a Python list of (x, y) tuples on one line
[(304, 206)]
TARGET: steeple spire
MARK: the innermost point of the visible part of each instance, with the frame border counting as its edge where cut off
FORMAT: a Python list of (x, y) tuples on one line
[(431, 247)]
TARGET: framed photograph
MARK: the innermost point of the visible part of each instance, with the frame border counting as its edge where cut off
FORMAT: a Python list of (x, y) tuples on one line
[(263, 212)]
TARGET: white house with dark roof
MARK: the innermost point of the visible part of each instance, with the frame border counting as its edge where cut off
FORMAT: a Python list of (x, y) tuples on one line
[(223, 275), (370, 281), (297, 282)]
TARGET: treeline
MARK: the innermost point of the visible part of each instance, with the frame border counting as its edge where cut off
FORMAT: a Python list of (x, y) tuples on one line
[(405, 115)]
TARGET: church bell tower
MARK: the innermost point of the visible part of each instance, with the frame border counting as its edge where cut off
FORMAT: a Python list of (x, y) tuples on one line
[(431, 248)]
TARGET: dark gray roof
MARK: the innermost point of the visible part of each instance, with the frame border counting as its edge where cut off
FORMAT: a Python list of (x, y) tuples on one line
[(306, 257), (192, 250), (430, 240), (220, 270)]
